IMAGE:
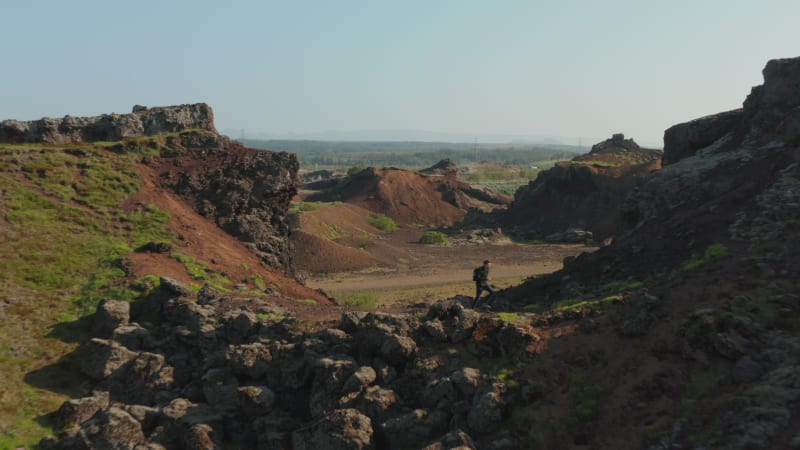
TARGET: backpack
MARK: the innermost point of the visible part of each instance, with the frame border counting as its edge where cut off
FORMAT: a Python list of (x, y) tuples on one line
[(477, 274)]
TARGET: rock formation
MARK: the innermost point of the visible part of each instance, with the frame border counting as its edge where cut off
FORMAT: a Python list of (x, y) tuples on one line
[(207, 373), (110, 127), (713, 238), (585, 193), (246, 192)]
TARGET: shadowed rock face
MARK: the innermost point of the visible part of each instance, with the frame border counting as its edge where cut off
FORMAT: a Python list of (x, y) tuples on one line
[(109, 127), (245, 192), (585, 193), (771, 109)]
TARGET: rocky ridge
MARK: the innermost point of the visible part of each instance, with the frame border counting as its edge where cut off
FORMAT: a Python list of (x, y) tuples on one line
[(142, 121)]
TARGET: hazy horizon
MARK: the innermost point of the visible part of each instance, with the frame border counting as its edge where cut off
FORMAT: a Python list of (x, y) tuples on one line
[(574, 72)]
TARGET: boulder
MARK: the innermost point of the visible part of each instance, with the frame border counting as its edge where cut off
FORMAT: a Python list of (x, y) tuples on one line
[(174, 287), (327, 386), (220, 389), (376, 402), (360, 379), (250, 360), (110, 315), (414, 429), (255, 400), (180, 416), (100, 358), (142, 380), (112, 428), (454, 440), (134, 337), (487, 410), (76, 411), (397, 350), (341, 429), (435, 329), (466, 380)]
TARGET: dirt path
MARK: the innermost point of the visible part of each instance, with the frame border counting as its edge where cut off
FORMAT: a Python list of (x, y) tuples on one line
[(344, 282), (413, 265)]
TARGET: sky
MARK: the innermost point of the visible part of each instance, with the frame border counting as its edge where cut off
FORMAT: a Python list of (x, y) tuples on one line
[(575, 71)]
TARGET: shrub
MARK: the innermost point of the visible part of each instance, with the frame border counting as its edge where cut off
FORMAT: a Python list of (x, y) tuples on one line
[(382, 222), (712, 253), (366, 299), (433, 237)]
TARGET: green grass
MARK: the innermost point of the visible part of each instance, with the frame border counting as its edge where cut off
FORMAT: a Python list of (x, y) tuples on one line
[(362, 299), (258, 282), (271, 317), (712, 253), (585, 399), (509, 317), (597, 163), (382, 222), (433, 237), (63, 241), (617, 287), (199, 271), (597, 304), (333, 231), (300, 207)]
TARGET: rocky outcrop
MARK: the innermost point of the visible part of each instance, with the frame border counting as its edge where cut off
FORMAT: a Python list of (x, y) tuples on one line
[(719, 166), (216, 375), (142, 121), (246, 192), (714, 237), (585, 193), (683, 140)]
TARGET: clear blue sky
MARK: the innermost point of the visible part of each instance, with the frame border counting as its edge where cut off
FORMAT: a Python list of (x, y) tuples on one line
[(568, 69)]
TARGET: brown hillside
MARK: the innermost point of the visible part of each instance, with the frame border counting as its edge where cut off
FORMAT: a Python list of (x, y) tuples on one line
[(410, 197)]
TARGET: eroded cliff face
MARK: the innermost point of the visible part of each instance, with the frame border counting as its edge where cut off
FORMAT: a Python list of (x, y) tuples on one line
[(246, 192), (142, 121), (716, 167)]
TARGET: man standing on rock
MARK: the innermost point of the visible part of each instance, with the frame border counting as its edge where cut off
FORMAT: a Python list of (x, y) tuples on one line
[(481, 278)]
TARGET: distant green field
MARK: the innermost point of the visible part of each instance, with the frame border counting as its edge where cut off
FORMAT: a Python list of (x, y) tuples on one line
[(413, 155)]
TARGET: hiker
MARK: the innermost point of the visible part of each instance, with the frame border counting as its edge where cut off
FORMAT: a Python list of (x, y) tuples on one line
[(481, 278)]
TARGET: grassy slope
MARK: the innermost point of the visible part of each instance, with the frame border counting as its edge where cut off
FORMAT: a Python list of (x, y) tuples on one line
[(63, 236)]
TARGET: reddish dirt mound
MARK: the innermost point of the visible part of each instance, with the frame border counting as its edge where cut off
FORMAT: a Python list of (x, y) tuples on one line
[(204, 241), (337, 237), (317, 254), (412, 198)]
